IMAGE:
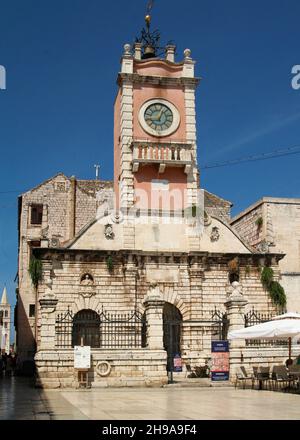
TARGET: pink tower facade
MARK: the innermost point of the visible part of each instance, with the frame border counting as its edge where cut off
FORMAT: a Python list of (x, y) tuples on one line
[(155, 151)]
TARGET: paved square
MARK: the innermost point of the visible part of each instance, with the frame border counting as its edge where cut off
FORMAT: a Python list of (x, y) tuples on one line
[(20, 401)]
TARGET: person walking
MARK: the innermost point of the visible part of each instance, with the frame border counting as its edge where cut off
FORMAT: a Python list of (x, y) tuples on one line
[(4, 360), (8, 365)]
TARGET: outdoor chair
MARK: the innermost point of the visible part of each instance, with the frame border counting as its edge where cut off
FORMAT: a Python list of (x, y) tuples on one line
[(280, 376), (242, 376), (189, 371), (294, 372), (263, 376)]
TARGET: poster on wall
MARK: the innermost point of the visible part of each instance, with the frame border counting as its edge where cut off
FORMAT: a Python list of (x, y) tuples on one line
[(177, 363), (220, 360), (82, 357)]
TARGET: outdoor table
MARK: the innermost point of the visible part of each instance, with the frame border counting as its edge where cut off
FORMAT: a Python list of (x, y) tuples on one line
[(295, 375), (262, 377)]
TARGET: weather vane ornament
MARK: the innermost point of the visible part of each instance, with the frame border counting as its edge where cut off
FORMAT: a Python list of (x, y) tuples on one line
[(148, 40)]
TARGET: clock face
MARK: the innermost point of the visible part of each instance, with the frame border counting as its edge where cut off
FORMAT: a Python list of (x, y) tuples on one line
[(159, 117)]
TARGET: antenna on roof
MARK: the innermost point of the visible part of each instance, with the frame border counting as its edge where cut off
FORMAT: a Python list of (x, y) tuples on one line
[(97, 168)]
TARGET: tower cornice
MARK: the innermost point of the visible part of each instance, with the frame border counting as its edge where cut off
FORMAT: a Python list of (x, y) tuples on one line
[(135, 78)]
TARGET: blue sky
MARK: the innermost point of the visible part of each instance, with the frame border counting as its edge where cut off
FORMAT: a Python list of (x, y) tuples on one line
[(62, 58)]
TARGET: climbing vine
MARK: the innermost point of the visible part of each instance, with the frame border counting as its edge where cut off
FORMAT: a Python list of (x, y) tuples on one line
[(110, 263), (35, 271), (275, 290)]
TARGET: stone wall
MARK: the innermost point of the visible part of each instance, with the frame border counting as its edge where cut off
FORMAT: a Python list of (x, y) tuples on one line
[(248, 229), (68, 205), (125, 368), (280, 232), (195, 284), (217, 207)]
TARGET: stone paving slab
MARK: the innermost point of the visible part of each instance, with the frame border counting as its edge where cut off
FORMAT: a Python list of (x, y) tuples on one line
[(20, 401)]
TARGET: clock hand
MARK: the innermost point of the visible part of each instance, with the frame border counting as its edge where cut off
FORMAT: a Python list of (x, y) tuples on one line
[(157, 118)]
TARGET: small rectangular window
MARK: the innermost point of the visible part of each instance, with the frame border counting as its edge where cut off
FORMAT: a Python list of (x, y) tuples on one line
[(31, 310), (36, 214)]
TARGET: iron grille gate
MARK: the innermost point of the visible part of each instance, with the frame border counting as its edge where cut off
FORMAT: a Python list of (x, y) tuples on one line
[(252, 318), (218, 327), (101, 330)]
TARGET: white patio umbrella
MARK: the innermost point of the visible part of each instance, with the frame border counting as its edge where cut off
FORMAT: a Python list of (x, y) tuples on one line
[(285, 326)]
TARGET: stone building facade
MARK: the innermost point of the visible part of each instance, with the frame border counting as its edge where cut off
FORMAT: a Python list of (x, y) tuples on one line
[(273, 224), (141, 269), (49, 215)]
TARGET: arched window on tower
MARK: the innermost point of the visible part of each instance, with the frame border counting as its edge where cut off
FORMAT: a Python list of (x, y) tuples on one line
[(86, 329), (6, 314)]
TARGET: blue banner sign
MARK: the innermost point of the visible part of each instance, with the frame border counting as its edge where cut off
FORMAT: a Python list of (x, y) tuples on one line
[(220, 360), (220, 347)]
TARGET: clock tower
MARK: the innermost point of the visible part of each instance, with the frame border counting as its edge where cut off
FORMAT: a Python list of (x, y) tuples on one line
[(155, 150)]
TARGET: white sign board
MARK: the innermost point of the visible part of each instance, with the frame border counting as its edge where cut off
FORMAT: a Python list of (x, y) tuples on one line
[(82, 357)]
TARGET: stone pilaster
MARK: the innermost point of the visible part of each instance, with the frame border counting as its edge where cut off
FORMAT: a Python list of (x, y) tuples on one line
[(235, 306), (154, 314), (47, 333)]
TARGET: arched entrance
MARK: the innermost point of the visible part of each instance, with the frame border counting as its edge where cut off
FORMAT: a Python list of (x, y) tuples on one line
[(86, 326), (172, 325)]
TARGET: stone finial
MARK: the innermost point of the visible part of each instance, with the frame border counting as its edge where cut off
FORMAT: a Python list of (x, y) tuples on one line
[(236, 291), (127, 50), (138, 51), (170, 53), (187, 54)]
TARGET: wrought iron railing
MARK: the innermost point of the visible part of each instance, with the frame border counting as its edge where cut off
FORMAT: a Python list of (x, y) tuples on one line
[(108, 331)]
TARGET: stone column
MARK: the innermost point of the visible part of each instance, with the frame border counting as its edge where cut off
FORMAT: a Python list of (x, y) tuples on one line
[(154, 314), (235, 306), (47, 336)]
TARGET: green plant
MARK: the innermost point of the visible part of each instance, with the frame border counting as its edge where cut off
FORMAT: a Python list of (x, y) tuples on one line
[(266, 277), (259, 222), (277, 294), (275, 290), (35, 271), (110, 263), (247, 270)]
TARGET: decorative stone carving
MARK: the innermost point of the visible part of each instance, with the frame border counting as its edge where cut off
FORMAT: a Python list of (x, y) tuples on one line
[(87, 293), (48, 303), (87, 280), (263, 247), (54, 242), (109, 233), (215, 234), (103, 368)]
